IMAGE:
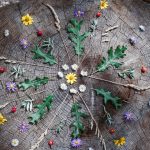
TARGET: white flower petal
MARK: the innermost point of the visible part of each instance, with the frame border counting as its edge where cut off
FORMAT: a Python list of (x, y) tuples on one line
[(65, 67), (82, 88), (74, 67), (60, 74), (14, 142), (63, 86), (73, 91), (84, 73)]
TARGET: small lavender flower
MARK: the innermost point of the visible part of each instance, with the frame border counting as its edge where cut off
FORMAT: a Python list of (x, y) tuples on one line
[(23, 127), (78, 13), (24, 43), (76, 143), (11, 86), (128, 116), (133, 40)]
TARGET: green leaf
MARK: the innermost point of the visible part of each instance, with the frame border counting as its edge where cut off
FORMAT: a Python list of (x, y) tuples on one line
[(113, 55), (77, 126), (109, 98), (48, 44), (127, 73), (48, 57), (33, 83), (74, 29), (41, 110)]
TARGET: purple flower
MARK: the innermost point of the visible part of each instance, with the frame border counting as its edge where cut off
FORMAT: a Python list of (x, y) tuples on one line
[(76, 143), (133, 40), (78, 13), (11, 86), (24, 43), (128, 116), (23, 127)]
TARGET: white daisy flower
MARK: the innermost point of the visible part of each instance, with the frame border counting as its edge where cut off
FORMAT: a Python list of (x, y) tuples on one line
[(63, 86), (14, 142), (74, 67), (65, 67), (60, 74), (84, 73), (73, 91), (82, 88)]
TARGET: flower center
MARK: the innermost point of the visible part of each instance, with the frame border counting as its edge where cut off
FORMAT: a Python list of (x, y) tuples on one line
[(71, 78), (27, 19), (11, 86), (76, 142)]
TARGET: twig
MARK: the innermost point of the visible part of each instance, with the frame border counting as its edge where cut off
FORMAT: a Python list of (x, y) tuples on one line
[(97, 132), (131, 86), (20, 62), (40, 139), (4, 105), (111, 28), (57, 24), (57, 21)]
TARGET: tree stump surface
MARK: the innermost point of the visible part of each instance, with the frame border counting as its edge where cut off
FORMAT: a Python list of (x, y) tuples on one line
[(128, 15)]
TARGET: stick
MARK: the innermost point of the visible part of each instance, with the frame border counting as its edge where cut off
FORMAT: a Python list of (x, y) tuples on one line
[(111, 28), (131, 86), (98, 132), (57, 24), (40, 139), (20, 62)]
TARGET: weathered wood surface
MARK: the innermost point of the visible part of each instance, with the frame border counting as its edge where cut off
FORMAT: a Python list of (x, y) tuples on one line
[(128, 14)]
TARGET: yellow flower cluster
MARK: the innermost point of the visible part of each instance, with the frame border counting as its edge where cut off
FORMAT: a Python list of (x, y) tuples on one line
[(2, 119), (71, 78), (120, 142), (103, 4), (27, 20)]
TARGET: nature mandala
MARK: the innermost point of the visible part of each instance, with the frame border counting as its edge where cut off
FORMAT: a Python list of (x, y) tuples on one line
[(77, 82)]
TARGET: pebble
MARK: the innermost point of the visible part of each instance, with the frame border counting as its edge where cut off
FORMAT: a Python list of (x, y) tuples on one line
[(6, 32), (142, 28)]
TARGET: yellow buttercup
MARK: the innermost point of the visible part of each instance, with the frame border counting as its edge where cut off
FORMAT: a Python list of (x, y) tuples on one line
[(27, 20)]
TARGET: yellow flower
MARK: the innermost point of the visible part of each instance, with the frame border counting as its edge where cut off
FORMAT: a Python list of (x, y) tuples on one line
[(27, 20), (2, 119), (120, 141), (71, 78), (103, 4)]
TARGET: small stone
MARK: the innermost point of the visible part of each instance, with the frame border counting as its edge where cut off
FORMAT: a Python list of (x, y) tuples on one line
[(15, 142), (6, 32), (60, 74), (142, 28), (90, 148), (73, 91), (133, 40)]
